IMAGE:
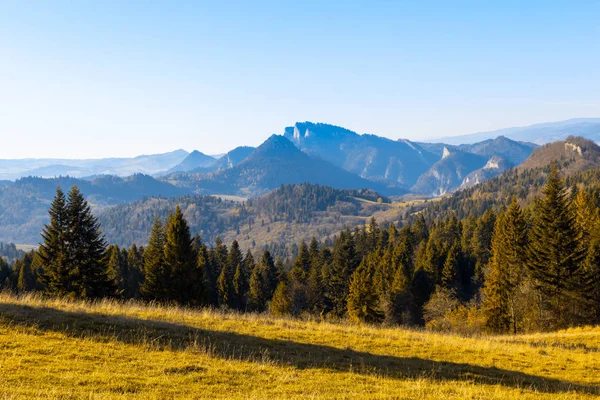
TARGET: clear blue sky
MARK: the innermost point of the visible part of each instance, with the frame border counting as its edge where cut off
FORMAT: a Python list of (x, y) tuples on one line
[(104, 78)]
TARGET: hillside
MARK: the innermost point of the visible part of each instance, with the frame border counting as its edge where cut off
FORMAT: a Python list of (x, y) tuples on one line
[(448, 173), (283, 217), (24, 203), (195, 159), (58, 349), (277, 161), (577, 159)]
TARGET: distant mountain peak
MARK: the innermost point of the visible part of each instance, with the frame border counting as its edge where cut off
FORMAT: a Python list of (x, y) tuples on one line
[(445, 153)]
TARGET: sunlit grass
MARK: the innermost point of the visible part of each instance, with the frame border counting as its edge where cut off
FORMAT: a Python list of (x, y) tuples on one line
[(107, 349)]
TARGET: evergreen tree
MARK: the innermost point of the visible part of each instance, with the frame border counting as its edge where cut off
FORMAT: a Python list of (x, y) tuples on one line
[(118, 270), (362, 302), (282, 303), (257, 293), (271, 274), (450, 270), (302, 265), (502, 306), (86, 249), (27, 269), (339, 271), (56, 275), (180, 259), (156, 273), (557, 255), (135, 262)]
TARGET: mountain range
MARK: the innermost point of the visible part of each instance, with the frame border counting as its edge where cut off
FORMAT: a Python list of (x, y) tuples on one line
[(51, 168), (314, 153), (543, 133)]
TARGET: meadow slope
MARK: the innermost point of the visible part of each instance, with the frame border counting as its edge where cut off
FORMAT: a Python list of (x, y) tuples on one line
[(107, 349)]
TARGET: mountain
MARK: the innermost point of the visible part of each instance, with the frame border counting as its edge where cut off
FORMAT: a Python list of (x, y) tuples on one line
[(588, 128), (577, 159), (494, 167), (228, 160), (50, 168), (24, 204), (276, 162), (575, 153), (233, 158), (512, 151), (193, 161), (448, 173), (394, 163)]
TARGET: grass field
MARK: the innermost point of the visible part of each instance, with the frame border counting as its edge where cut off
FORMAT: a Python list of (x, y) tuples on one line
[(104, 350)]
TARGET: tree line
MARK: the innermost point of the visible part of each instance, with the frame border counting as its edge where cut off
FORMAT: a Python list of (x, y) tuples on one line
[(520, 269)]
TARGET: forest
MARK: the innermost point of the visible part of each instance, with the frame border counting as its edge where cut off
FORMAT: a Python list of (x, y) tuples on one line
[(519, 269)]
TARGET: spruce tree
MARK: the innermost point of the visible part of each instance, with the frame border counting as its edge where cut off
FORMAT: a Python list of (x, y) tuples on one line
[(118, 270), (86, 249), (56, 275), (28, 267), (135, 262), (449, 279), (180, 259), (557, 255), (235, 264), (302, 264), (257, 298), (503, 305), (271, 274), (156, 273), (362, 302), (282, 303), (339, 271)]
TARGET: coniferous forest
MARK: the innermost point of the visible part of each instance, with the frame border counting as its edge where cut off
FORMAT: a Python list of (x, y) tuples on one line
[(525, 268)]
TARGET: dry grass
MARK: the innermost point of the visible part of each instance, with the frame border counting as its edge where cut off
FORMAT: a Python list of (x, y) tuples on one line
[(107, 349)]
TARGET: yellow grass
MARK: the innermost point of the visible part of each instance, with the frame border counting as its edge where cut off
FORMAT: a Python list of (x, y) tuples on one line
[(107, 349)]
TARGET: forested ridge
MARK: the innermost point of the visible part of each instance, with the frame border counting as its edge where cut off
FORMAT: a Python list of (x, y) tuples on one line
[(290, 206), (518, 269)]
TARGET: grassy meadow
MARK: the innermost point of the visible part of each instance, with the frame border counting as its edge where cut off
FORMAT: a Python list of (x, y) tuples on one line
[(109, 350)]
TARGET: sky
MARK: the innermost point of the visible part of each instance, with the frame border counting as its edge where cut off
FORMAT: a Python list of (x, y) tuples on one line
[(92, 79)]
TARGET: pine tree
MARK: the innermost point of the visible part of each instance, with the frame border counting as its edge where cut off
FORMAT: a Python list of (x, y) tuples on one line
[(556, 255), (28, 268), (241, 286), (302, 265), (257, 298), (207, 292), (86, 249), (282, 303), (503, 302), (362, 301), (339, 271), (180, 259), (135, 262), (271, 274), (118, 270), (56, 275), (156, 273), (235, 265), (449, 278)]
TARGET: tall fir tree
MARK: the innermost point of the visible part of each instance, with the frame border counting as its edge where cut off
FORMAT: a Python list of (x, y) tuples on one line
[(156, 273), (557, 255), (181, 259), (55, 274), (362, 302), (503, 306)]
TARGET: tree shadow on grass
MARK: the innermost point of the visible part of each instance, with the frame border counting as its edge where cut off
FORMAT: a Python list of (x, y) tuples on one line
[(229, 345)]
